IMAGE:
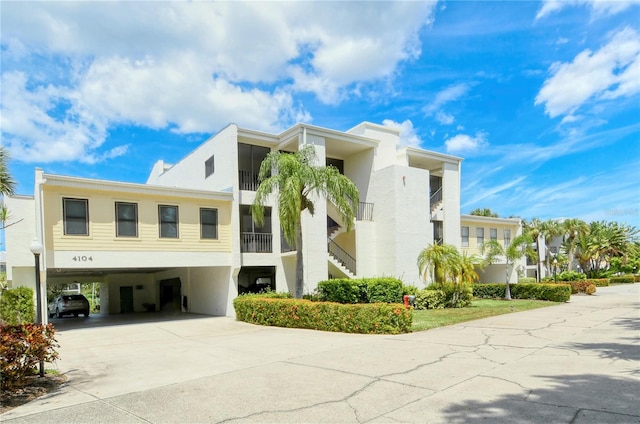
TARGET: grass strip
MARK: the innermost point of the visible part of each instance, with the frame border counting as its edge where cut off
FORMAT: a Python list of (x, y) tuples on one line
[(480, 308)]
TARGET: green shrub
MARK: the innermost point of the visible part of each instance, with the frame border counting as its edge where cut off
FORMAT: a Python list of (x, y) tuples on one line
[(527, 280), (551, 292), (410, 290), (489, 290), (372, 318), (384, 290), (17, 306), (578, 286), (366, 290), (430, 299), (598, 282), (571, 276), (23, 346), (623, 279), (456, 295)]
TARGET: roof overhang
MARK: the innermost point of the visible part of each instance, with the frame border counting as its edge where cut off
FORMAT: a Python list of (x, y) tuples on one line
[(53, 180)]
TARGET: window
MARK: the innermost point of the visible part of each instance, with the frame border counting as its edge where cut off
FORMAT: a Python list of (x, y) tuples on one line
[(438, 232), (507, 238), (76, 216), (208, 167), (255, 238), (126, 219), (168, 219), (493, 233), (480, 236), (208, 223), (465, 236)]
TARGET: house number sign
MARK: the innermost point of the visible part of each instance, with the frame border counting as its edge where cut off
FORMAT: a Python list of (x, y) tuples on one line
[(82, 258)]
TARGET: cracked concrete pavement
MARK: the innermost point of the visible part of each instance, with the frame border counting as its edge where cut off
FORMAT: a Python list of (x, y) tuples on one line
[(577, 362)]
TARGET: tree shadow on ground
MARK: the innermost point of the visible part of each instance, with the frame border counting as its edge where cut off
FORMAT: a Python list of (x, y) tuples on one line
[(562, 398), (629, 323)]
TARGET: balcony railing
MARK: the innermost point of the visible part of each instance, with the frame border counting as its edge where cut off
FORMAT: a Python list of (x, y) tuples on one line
[(342, 256), (365, 211), (248, 180), (256, 242)]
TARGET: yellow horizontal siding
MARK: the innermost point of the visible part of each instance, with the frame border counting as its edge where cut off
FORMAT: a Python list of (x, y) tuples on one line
[(102, 227), (474, 248)]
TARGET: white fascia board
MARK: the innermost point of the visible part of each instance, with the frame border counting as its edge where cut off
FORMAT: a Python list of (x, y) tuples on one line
[(489, 219), (414, 151), (105, 185), (377, 127), (326, 133)]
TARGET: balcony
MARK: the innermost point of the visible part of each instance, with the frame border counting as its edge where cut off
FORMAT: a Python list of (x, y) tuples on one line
[(248, 180), (256, 242), (365, 211)]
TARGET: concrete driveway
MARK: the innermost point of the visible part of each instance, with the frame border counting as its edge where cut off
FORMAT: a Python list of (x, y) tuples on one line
[(577, 362)]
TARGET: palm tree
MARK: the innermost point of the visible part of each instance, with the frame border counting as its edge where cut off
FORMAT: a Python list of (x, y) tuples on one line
[(297, 180), (550, 229), (533, 229), (7, 183), (438, 262), (444, 264), (572, 228), (494, 251), (483, 212)]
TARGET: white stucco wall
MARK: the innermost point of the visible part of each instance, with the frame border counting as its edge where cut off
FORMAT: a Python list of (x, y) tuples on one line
[(358, 168), (209, 291), (20, 234), (314, 228), (451, 203), (189, 172), (389, 139), (402, 221)]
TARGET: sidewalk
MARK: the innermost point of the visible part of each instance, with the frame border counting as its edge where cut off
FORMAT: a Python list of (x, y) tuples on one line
[(577, 362)]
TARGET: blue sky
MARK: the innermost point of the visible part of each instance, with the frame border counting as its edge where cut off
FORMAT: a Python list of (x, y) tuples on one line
[(541, 98)]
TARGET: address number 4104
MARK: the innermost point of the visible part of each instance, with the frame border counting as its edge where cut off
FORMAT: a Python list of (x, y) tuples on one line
[(82, 258)]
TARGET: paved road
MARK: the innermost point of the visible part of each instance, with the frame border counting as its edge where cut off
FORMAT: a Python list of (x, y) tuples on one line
[(577, 362)]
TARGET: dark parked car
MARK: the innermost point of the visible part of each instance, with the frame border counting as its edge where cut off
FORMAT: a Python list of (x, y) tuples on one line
[(66, 304)]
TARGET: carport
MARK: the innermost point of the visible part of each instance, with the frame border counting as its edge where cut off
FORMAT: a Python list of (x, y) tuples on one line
[(141, 291)]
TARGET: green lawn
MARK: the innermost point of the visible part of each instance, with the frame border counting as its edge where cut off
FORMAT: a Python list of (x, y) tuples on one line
[(481, 308)]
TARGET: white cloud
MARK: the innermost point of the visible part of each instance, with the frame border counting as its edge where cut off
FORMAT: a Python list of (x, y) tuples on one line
[(192, 67), (449, 94), (408, 135), (608, 73), (444, 118), (463, 143), (599, 8)]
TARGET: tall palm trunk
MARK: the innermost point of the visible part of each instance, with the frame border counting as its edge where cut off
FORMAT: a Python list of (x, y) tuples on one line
[(299, 263), (507, 291)]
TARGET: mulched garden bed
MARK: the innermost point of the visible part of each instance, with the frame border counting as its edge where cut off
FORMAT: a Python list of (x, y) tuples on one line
[(33, 387)]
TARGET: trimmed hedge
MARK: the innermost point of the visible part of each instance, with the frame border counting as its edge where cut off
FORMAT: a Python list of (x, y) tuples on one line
[(17, 305), (364, 290), (371, 318), (598, 282), (583, 286), (527, 280), (551, 292), (624, 279), (430, 299)]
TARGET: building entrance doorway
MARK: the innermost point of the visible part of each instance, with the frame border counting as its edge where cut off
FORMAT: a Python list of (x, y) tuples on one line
[(170, 295)]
